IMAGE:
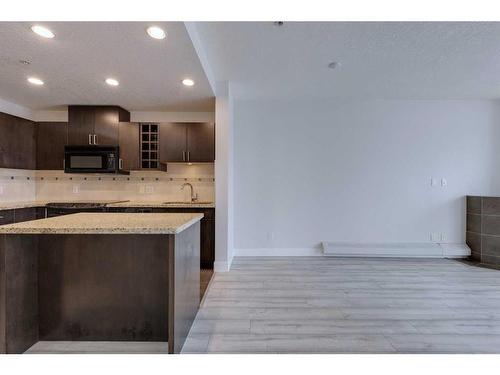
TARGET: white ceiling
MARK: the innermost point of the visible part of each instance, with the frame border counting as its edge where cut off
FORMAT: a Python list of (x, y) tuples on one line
[(75, 63), (382, 60)]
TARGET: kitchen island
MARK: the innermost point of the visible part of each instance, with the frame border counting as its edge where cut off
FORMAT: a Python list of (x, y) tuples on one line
[(99, 277)]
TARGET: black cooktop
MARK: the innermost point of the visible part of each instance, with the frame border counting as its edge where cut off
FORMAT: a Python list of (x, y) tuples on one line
[(77, 205)]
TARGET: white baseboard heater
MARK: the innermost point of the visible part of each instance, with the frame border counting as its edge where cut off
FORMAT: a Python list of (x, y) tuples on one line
[(396, 250)]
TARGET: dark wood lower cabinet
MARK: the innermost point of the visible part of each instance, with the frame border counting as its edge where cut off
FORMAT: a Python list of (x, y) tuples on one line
[(207, 230), (25, 214), (18, 293), (122, 287), (207, 233), (19, 215), (6, 217), (96, 287)]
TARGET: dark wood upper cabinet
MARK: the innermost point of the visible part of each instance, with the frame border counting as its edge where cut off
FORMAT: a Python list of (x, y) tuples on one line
[(201, 142), (95, 125), (51, 137), (17, 142), (80, 125), (173, 142), (187, 142), (128, 135), (105, 126)]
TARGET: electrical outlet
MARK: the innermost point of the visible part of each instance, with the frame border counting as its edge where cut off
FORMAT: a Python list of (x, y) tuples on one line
[(149, 189), (434, 237), (444, 182), (76, 189)]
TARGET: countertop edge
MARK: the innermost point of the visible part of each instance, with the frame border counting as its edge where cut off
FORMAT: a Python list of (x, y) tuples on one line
[(130, 204), (11, 229)]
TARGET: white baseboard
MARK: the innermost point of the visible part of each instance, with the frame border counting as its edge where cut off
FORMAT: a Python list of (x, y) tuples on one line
[(221, 266), (278, 252), (398, 250), (348, 249)]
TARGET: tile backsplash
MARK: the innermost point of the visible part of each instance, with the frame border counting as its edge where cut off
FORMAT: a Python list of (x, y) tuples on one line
[(17, 185), (138, 186)]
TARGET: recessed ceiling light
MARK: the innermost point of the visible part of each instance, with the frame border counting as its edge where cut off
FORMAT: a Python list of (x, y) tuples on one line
[(334, 65), (35, 81), (156, 32), (42, 31), (278, 23), (188, 82), (112, 82)]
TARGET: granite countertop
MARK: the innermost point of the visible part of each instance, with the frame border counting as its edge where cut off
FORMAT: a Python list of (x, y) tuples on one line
[(106, 223), (109, 203), (21, 204), (163, 204)]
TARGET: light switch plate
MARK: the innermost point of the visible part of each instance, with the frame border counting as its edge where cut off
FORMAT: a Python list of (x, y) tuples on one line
[(434, 181), (76, 189)]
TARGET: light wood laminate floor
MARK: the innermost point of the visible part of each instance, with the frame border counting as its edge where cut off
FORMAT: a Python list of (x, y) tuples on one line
[(349, 305)]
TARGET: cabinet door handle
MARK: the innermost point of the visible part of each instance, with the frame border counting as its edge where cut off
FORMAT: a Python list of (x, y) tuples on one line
[(183, 155), (120, 164), (90, 139), (188, 156), (95, 139)]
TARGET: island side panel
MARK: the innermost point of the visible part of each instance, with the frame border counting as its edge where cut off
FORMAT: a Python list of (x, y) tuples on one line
[(18, 293), (184, 291), (103, 287)]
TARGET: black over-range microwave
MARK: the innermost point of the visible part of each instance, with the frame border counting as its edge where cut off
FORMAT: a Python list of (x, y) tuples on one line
[(91, 159)]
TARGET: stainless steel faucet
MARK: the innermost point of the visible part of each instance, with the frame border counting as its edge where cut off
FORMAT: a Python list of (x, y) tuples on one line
[(194, 197)]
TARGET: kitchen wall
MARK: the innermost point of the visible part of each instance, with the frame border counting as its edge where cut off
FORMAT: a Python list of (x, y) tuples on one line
[(24, 185), (138, 186), (17, 185), (359, 171)]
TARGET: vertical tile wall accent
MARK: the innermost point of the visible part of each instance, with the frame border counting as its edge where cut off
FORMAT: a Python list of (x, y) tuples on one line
[(483, 229)]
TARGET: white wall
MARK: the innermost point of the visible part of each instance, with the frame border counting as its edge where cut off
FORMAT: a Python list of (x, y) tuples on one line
[(359, 171), (224, 242)]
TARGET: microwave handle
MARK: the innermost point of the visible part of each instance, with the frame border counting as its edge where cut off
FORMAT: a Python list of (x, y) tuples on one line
[(95, 139), (90, 139)]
